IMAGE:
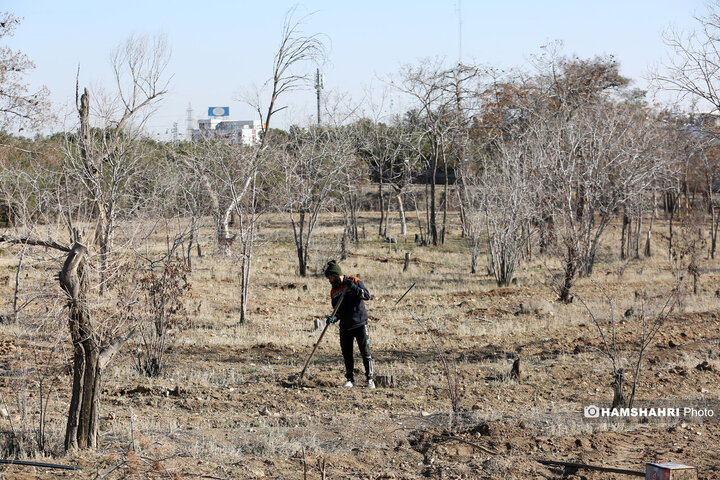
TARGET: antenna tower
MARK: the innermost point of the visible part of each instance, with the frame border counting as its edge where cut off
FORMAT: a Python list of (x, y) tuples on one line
[(189, 122), (459, 9), (319, 85)]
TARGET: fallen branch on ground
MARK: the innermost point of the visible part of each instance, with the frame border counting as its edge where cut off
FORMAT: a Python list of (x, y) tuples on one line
[(39, 464), (458, 439), (591, 467)]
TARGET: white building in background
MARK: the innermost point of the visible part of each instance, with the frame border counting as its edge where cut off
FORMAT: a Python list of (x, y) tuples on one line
[(245, 132)]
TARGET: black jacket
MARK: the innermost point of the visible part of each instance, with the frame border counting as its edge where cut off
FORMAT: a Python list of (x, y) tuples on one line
[(352, 313)]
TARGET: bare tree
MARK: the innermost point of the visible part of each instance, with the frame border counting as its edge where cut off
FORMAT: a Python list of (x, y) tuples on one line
[(498, 195), (595, 154), (389, 151), (588, 151), (402, 165), (232, 175), (231, 179), (497, 185), (691, 73), (694, 142), (221, 169), (449, 365), (691, 70), (162, 313), (27, 189), (312, 169), (711, 169), (103, 160), (625, 341), (291, 71), (443, 118), (93, 346), (28, 173), (180, 199), (19, 107), (350, 201), (105, 157)]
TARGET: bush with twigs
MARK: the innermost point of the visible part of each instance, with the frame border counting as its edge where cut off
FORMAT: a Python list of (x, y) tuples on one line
[(162, 314)]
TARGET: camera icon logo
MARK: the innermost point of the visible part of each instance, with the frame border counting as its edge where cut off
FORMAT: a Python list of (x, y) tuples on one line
[(591, 411)]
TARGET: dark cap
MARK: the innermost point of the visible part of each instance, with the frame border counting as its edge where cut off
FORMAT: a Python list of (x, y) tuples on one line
[(332, 269)]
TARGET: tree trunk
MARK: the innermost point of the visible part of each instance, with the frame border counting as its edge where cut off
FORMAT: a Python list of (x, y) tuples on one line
[(542, 239), (245, 265), (569, 276), (248, 242), (16, 292), (224, 239), (433, 207), (445, 201), (628, 246), (104, 254), (623, 235), (403, 222), (638, 231), (474, 253), (618, 390), (350, 214), (428, 236), (302, 231), (713, 229), (381, 206), (190, 243), (353, 218), (387, 218), (670, 237), (528, 240), (515, 371), (82, 424), (546, 233), (299, 232), (648, 237), (343, 244), (420, 238), (104, 227), (461, 209)]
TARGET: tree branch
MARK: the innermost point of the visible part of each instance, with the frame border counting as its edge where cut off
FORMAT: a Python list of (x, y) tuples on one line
[(33, 242)]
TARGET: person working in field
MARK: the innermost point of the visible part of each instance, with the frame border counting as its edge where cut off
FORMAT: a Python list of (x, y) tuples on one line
[(353, 320)]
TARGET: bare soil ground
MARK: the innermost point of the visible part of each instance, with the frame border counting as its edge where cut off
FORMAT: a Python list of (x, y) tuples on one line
[(227, 405)]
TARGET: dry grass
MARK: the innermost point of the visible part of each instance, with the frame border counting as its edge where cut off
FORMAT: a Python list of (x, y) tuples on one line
[(234, 406)]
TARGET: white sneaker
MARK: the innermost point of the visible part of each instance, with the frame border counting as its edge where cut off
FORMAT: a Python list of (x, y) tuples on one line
[(371, 383), (348, 384)]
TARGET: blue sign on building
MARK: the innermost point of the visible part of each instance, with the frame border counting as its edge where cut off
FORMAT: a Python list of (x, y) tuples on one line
[(218, 111)]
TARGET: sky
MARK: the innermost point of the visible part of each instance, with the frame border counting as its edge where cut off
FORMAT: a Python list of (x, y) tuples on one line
[(223, 50)]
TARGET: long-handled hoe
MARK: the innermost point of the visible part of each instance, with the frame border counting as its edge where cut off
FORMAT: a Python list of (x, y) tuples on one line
[(403, 295), (302, 373)]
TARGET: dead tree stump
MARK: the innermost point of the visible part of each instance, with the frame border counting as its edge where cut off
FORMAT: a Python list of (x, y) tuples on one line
[(385, 381), (515, 370), (344, 245), (619, 400)]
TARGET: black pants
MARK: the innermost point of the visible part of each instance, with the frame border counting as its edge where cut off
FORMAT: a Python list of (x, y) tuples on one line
[(346, 345)]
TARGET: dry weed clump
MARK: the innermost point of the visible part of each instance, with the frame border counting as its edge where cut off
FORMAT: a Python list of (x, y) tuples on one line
[(162, 313)]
